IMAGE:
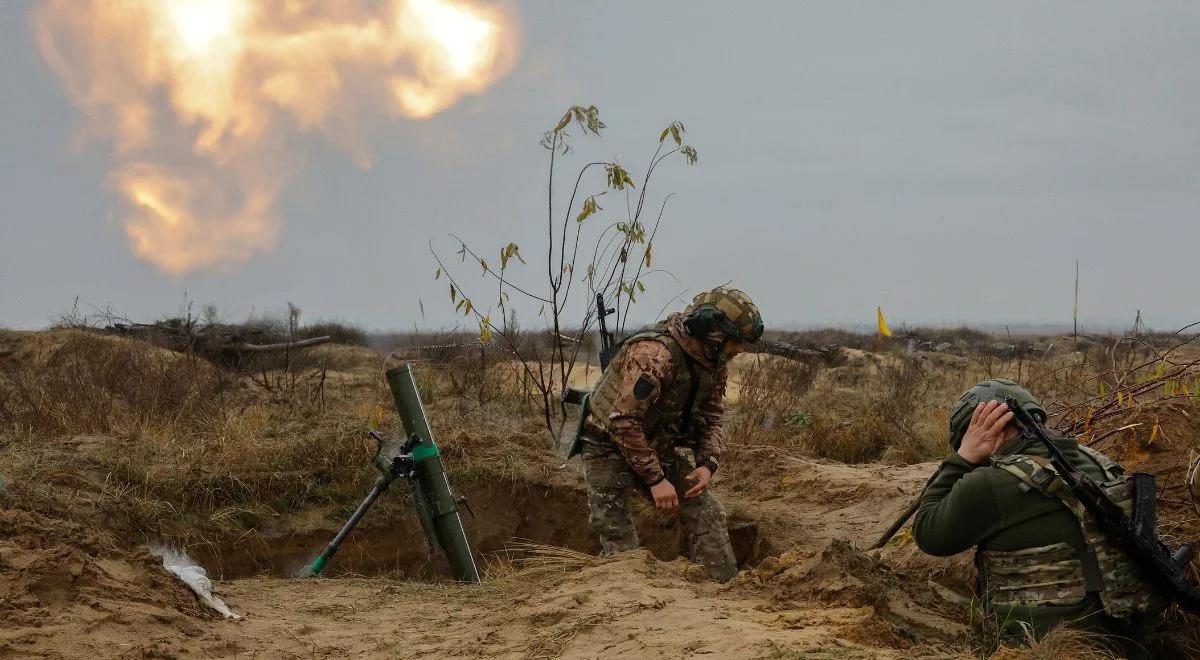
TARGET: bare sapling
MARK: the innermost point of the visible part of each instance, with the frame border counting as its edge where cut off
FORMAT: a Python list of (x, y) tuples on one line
[(613, 259)]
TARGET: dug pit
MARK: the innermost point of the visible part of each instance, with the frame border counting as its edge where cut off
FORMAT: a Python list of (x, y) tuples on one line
[(389, 540)]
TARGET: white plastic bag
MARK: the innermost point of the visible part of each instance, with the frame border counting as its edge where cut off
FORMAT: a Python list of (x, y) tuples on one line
[(194, 576)]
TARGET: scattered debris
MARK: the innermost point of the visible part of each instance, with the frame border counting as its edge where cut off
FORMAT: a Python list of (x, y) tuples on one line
[(194, 576)]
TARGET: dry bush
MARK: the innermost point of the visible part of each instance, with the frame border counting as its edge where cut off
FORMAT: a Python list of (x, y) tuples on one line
[(906, 400), (893, 414), (769, 409), (873, 408), (473, 376)]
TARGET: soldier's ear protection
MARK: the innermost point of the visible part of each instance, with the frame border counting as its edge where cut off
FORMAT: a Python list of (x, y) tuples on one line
[(702, 321)]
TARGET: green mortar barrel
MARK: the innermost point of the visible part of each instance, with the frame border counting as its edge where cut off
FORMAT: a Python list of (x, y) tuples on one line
[(435, 502)]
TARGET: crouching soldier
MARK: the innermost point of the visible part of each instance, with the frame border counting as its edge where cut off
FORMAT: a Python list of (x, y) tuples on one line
[(1041, 557), (661, 396)]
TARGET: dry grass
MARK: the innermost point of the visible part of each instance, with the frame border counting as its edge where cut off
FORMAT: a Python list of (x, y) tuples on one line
[(1063, 643), (873, 408), (533, 559), (161, 446), (98, 384)]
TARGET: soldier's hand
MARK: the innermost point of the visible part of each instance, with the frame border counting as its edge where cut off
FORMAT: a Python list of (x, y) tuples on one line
[(987, 431), (665, 496), (701, 475)]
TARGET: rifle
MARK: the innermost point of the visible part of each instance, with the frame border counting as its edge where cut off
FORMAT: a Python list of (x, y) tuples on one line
[(606, 336), (419, 461), (1137, 534), (607, 348), (580, 397)]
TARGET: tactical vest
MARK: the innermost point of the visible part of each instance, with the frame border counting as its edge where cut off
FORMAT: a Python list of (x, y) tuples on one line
[(670, 420), (1056, 574)]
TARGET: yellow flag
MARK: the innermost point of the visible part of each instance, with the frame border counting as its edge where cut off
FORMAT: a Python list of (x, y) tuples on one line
[(884, 331)]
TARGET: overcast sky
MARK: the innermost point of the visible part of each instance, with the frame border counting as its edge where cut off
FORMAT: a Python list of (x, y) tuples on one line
[(947, 161)]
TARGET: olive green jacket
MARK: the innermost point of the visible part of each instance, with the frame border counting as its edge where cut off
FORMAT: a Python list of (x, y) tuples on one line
[(969, 506)]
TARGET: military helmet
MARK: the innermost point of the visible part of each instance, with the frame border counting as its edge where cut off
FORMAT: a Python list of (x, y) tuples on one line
[(729, 310), (994, 389)]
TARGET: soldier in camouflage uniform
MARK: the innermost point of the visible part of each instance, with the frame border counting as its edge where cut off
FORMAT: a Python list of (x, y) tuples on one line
[(1042, 560), (661, 396)]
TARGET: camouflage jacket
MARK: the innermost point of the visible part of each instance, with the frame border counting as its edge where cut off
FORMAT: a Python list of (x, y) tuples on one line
[(984, 507), (649, 365)]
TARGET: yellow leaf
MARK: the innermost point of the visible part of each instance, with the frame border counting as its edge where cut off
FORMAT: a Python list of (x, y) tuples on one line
[(1154, 431), (376, 417), (485, 329), (562, 123), (589, 207), (649, 248)]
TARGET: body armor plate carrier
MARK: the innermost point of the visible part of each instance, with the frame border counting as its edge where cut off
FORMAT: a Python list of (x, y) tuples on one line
[(670, 421), (1056, 574)]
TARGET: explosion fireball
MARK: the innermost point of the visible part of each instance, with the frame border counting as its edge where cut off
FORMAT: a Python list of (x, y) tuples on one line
[(200, 98)]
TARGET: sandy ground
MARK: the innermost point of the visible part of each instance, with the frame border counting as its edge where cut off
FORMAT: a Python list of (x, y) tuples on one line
[(67, 594)]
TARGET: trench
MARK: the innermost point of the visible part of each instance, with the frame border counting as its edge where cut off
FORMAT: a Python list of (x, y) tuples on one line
[(389, 540)]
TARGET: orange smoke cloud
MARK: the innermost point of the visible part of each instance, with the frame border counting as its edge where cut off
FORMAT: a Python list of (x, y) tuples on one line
[(199, 98)]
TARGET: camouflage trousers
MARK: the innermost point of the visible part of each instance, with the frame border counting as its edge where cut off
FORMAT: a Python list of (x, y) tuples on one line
[(611, 484)]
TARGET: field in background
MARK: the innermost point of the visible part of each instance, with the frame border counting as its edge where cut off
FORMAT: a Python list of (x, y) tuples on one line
[(110, 444)]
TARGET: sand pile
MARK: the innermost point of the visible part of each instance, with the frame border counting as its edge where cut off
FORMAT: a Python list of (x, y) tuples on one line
[(66, 591)]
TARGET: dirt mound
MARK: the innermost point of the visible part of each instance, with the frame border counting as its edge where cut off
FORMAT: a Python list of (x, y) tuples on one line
[(40, 348), (67, 592), (906, 610)]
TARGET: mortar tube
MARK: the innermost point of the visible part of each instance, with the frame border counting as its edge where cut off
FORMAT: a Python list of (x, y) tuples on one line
[(430, 476)]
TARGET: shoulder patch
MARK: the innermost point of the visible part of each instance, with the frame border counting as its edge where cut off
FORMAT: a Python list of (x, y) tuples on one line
[(642, 388)]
